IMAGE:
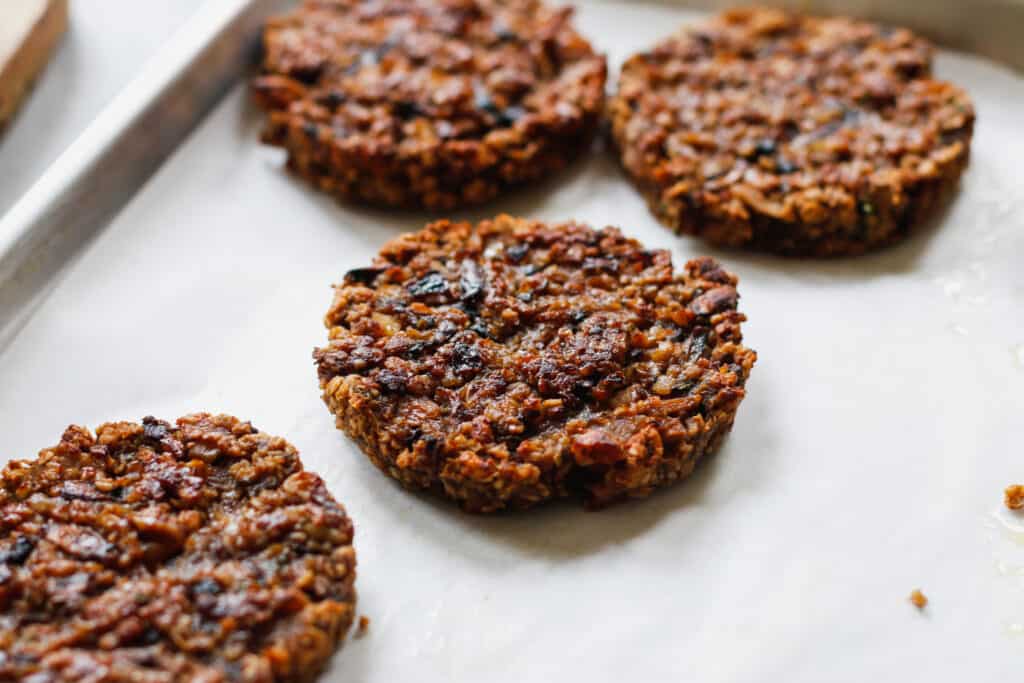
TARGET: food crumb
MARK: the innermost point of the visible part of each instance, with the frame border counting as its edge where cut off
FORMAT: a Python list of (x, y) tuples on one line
[(1013, 496), (363, 626), (918, 598)]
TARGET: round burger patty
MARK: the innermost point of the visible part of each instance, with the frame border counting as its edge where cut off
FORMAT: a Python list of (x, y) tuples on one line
[(198, 552), (793, 134), (428, 103), (513, 362)]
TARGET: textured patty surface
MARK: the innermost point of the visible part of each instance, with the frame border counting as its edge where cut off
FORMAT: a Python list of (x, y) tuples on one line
[(428, 103), (513, 362), (799, 135), (155, 553)]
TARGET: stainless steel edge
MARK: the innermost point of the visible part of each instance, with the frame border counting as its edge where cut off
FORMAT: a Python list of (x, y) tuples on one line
[(121, 149)]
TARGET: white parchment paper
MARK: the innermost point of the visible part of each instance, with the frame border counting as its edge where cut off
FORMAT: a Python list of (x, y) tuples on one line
[(883, 421)]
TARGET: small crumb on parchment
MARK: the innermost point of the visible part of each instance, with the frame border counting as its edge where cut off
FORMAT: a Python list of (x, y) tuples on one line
[(363, 626), (1013, 496), (918, 598)]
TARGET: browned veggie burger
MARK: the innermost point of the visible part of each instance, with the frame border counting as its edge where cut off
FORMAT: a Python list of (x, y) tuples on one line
[(428, 103), (512, 362), (160, 553), (799, 135)]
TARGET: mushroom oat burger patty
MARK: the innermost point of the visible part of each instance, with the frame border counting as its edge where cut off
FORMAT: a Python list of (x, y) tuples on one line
[(159, 553), (514, 362), (793, 134), (428, 103)]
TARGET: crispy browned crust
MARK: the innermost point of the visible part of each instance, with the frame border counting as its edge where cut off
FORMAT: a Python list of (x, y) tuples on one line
[(427, 103), (513, 362), (785, 133), (152, 553)]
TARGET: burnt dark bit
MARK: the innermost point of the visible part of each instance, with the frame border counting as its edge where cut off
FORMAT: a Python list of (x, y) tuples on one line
[(18, 551), (417, 103), (198, 551), (431, 283), (363, 275), (153, 428), (516, 252), (769, 131), (331, 99), (765, 147), (470, 282), (600, 373)]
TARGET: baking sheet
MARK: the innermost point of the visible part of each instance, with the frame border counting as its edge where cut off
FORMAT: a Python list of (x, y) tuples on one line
[(94, 60), (882, 422)]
